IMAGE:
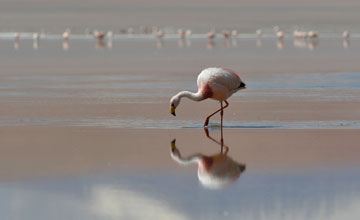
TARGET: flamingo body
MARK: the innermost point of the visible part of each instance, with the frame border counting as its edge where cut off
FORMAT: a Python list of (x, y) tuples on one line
[(98, 35), (218, 83), (214, 83), (211, 35), (280, 35), (66, 34)]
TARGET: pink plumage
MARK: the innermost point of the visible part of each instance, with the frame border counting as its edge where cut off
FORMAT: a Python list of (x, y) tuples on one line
[(214, 83)]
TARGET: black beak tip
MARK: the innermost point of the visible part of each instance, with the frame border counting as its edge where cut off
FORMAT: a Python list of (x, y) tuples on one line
[(173, 113)]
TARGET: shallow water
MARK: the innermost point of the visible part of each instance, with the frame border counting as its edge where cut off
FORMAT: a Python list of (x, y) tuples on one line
[(169, 195), (137, 178), (85, 130)]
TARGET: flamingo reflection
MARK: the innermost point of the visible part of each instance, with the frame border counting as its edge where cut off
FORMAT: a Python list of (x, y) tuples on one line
[(214, 171)]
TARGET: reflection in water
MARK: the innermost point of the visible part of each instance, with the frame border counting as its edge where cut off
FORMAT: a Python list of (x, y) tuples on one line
[(36, 44), (226, 42), (234, 42), (16, 44), (99, 44), (280, 44), (65, 45), (214, 171), (346, 43), (184, 43), (303, 43), (110, 43), (259, 43), (159, 43), (210, 45)]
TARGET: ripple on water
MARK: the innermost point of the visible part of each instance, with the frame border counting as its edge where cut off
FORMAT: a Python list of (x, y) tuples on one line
[(179, 124)]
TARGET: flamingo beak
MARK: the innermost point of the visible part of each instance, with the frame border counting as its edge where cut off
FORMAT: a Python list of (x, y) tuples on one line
[(172, 110), (172, 145)]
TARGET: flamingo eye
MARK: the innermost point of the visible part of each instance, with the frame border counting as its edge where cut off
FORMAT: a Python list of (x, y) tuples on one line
[(172, 105)]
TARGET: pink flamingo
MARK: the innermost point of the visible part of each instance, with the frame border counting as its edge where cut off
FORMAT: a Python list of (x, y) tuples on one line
[(226, 34), (280, 35), (215, 83), (211, 35), (98, 35), (181, 33)]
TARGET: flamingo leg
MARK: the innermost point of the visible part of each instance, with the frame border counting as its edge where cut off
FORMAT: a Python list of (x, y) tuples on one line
[(221, 115), (221, 109), (221, 142)]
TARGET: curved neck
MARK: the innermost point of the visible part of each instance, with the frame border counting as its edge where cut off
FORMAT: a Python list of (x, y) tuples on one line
[(196, 158), (190, 95)]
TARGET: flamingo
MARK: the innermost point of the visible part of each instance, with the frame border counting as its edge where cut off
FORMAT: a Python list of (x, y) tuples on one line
[(346, 35), (109, 35), (188, 33), (131, 31), (226, 34), (312, 34), (66, 34), (214, 171), (276, 28), (211, 35), (214, 83), (98, 35), (259, 32), (181, 33), (299, 34), (17, 36), (160, 34), (280, 35), (234, 33), (36, 36)]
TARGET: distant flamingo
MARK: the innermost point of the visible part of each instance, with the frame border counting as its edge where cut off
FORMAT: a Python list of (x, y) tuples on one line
[(226, 34), (66, 34), (181, 33), (234, 33), (211, 35), (130, 31), (299, 34), (214, 83), (259, 32), (346, 34), (36, 36), (159, 34), (98, 35), (312, 34), (280, 35), (17, 36), (188, 33), (276, 28), (109, 35)]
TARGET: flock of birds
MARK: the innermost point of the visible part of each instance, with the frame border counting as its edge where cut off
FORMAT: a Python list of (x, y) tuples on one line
[(182, 33), (301, 38)]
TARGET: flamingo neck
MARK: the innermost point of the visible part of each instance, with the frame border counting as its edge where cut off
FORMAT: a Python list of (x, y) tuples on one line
[(191, 95), (187, 160)]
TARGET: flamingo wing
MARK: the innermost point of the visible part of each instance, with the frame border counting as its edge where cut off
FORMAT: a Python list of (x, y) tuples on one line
[(222, 82)]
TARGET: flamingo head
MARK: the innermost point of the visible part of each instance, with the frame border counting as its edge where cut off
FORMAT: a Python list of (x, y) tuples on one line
[(174, 102)]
